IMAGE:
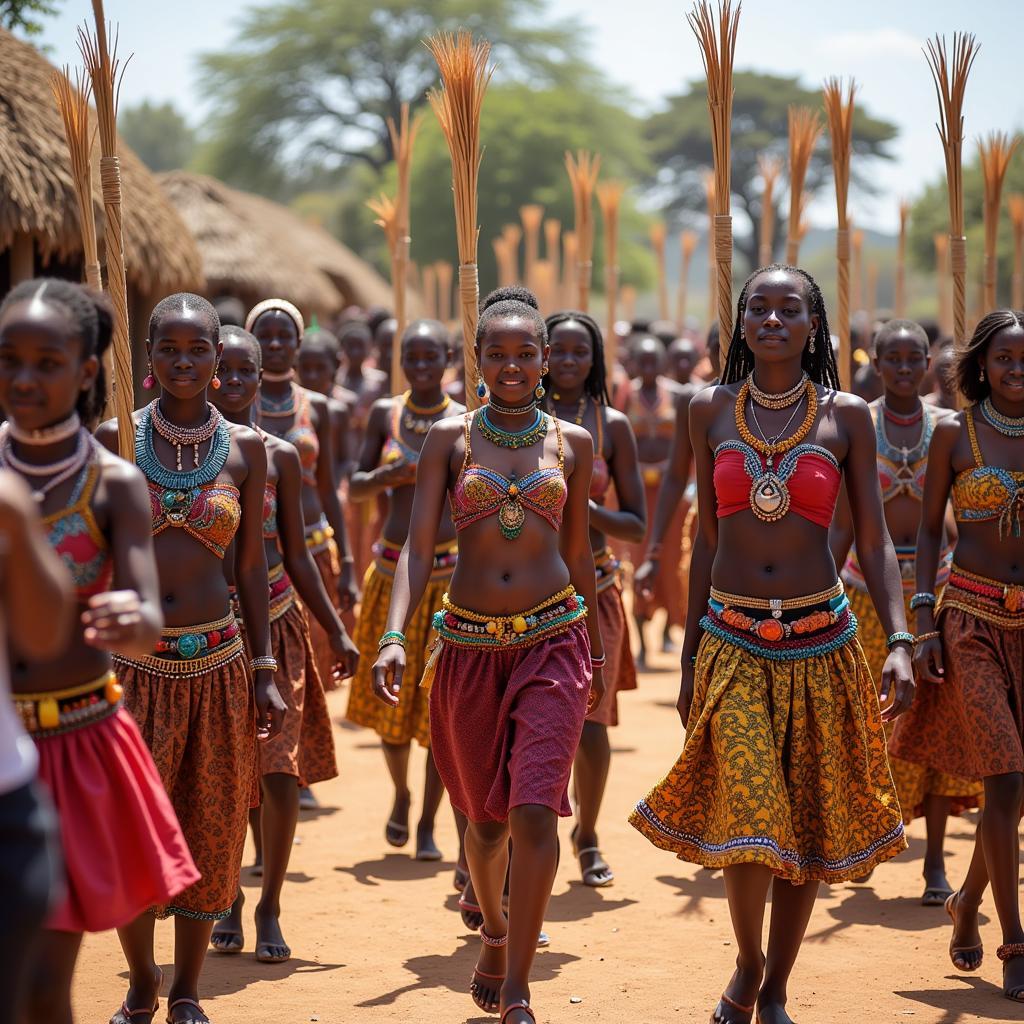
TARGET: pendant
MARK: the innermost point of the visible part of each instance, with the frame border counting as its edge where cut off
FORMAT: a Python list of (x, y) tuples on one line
[(511, 517), (769, 497)]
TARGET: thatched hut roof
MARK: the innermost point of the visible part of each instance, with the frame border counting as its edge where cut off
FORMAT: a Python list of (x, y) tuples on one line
[(37, 195), (255, 248)]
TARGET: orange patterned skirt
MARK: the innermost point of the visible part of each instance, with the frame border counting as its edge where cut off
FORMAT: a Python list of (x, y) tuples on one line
[(619, 670), (321, 544), (198, 719), (784, 763)]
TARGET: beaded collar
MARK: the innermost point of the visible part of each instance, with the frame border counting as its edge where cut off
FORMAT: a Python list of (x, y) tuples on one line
[(208, 471)]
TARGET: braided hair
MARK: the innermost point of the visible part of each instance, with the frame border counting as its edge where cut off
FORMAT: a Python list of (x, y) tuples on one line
[(93, 319), (820, 364), (596, 384), (506, 303), (967, 366)]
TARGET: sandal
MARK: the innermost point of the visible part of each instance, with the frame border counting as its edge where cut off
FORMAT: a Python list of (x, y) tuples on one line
[(1009, 951), (472, 915), (717, 1018), (935, 896), (474, 987), (125, 1016), (461, 879), (191, 1018), (519, 1004), (960, 952), (598, 875)]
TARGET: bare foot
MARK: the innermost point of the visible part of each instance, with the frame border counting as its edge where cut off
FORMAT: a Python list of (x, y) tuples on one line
[(270, 945), (227, 934)]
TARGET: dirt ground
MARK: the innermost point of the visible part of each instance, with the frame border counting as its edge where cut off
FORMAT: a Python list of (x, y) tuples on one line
[(377, 937)]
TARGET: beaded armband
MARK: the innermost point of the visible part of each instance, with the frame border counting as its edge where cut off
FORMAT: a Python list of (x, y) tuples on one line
[(392, 636), (923, 600), (599, 662), (899, 638), (264, 661), (922, 637)]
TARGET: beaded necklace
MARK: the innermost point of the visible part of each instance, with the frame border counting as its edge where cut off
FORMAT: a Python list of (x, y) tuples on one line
[(204, 473), (512, 410), (59, 472), (178, 436), (47, 435), (537, 431), (419, 419), (907, 457), (278, 408), (1008, 426), (780, 400), (901, 419), (581, 408)]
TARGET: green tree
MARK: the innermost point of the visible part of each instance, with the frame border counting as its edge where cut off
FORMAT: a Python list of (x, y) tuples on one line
[(24, 15), (679, 137), (159, 135), (315, 80)]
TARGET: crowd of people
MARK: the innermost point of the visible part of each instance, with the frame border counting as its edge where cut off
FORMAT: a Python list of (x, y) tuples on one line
[(842, 575)]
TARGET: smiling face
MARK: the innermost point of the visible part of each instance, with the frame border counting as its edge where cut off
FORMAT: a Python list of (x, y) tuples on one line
[(572, 355), (424, 358), (239, 373), (1004, 365), (183, 353), (901, 360), (279, 338), (42, 372), (777, 318), (511, 359)]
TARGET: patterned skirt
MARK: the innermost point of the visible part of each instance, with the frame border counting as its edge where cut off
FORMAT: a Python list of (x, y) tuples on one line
[(411, 719), (619, 670), (784, 762), (198, 719), (913, 781), (322, 546)]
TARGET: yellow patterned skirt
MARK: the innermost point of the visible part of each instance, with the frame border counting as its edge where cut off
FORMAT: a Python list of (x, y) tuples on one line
[(411, 719), (784, 765), (913, 781)]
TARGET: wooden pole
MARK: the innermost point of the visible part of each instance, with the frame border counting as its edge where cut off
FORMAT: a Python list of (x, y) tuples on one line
[(709, 195), (942, 282), (570, 270), (687, 245), (657, 233), (430, 291), (445, 276), (553, 245), (900, 295), (513, 235), (857, 237), (872, 296), (1016, 205)]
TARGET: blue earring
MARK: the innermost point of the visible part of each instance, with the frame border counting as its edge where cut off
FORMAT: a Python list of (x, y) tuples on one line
[(481, 388)]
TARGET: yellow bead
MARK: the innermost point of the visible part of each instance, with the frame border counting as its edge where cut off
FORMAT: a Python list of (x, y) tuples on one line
[(318, 537), (114, 691), (49, 713), (519, 624), (492, 627), (513, 490)]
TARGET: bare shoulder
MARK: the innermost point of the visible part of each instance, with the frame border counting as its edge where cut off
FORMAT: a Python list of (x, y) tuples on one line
[(949, 427), (849, 409), (118, 475), (246, 438), (106, 432), (615, 419), (706, 403), (577, 438)]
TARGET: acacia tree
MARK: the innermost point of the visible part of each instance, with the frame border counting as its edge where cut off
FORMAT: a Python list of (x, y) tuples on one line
[(24, 15), (315, 80), (158, 133), (679, 138)]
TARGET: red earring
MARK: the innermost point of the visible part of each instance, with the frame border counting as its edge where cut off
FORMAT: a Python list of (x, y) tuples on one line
[(148, 382)]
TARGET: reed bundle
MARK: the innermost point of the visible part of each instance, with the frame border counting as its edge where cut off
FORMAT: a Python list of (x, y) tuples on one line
[(609, 198), (1015, 203), (531, 217), (583, 169), (717, 39), (445, 276), (995, 152), (553, 245), (950, 72), (570, 248), (105, 73), (709, 196), (839, 109), (657, 234), (942, 281), (857, 276), (545, 286), (900, 294), (872, 296), (465, 76), (770, 167), (430, 291), (385, 210), (687, 247), (804, 131)]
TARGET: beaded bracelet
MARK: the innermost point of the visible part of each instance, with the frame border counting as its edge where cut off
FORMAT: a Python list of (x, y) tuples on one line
[(693, 660), (922, 600), (392, 636), (599, 661), (921, 637), (899, 638), (264, 661)]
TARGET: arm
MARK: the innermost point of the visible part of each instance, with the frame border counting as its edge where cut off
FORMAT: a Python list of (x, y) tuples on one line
[(128, 619), (339, 435), (38, 599), (875, 552), (417, 559), (370, 478), (298, 562), (251, 578), (629, 521), (928, 660), (840, 533)]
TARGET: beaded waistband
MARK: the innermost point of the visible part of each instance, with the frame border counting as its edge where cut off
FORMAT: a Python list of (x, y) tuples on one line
[(319, 535), (191, 650), (607, 567), (445, 557), (62, 711), (465, 628), (282, 593), (1002, 604), (775, 605), (853, 576)]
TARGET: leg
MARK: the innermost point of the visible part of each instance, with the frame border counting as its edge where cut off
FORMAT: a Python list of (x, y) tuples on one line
[(791, 910), (965, 947), (257, 839), (144, 975), (641, 656), (280, 814), (396, 757), (936, 812), (487, 851), (190, 941), (590, 775), (49, 995), (433, 791), (534, 862), (461, 865), (746, 886)]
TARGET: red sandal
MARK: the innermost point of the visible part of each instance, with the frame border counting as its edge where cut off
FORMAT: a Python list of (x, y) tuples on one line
[(715, 1019), (519, 1004), (190, 1019)]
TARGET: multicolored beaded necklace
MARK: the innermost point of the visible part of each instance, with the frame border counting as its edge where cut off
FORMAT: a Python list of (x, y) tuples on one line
[(278, 408), (419, 419), (172, 480), (537, 431), (1008, 426), (179, 436)]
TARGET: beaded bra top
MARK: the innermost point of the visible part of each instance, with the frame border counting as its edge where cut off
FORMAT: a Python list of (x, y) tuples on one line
[(810, 472), (900, 470), (270, 512), (600, 476), (303, 435), (988, 492), (395, 449), (76, 538), (480, 492)]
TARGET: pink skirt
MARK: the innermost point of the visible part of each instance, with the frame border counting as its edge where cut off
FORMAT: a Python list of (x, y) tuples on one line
[(505, 724), (123, 848)]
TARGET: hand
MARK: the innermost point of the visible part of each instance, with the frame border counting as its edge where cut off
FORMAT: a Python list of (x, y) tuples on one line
[(270, 708), (928, 661), (113, 620), (686, 688), (348, 655), (597, 690), (396, 474), (348, 593), (387, 674), (645, 577), (898, 680)]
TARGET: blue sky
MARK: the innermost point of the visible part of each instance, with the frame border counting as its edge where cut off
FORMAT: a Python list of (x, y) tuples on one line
[(651, 52)]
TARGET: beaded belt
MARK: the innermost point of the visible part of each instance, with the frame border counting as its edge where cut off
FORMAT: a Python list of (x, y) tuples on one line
[(776, 605), (282, 593), (907, 558), (445, 556), (1002, 604), (319, 536), (465, 628), (61, 711), (607, 567), (192, 650)]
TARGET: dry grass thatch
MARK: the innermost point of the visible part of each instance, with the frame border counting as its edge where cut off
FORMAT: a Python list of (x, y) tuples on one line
[(37, 191)]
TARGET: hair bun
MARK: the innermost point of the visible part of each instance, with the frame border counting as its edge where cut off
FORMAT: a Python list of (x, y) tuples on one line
[(511, 293)]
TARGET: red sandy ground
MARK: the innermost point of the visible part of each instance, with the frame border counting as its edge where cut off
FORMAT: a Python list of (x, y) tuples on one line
[(377, 937)]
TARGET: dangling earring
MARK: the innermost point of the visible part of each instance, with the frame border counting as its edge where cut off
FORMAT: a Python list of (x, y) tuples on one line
[(215, 383), (981, 373), (481, 387), (810, 348), (538, 391), (148, 382)]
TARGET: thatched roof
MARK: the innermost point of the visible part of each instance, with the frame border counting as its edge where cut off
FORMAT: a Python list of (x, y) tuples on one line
[(255, 248), (37, 194)]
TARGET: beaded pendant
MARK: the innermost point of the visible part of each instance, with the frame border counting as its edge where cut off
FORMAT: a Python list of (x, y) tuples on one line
[(769, 496), (511, 514)]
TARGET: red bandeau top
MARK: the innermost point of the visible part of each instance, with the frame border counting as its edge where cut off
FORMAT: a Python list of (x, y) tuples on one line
[(810, 473)]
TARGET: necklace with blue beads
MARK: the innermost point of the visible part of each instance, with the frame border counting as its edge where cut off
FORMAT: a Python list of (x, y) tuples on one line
[(172, 480), (537, 431)]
